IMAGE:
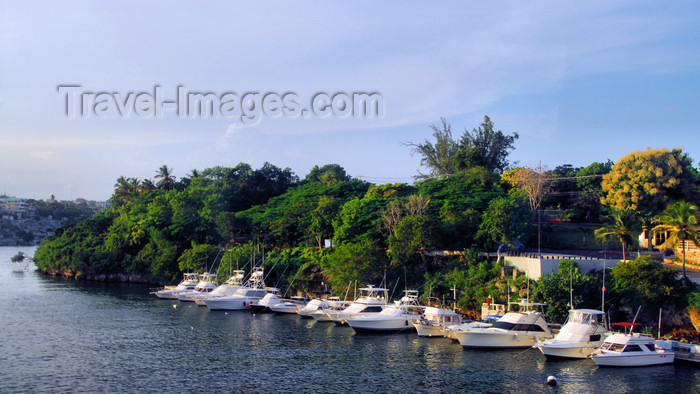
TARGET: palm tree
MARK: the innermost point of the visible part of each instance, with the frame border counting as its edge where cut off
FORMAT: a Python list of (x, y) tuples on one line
[(167, 179), (680, 221), (623, 221)]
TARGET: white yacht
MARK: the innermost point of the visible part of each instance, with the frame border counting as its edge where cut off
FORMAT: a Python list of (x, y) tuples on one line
[(330, 305), (520, 329), (435, 320), (372, 300), (225, 289), (311, 307), (630, 350), (243, 297), (289, 306), (270, 299), (582, 333), (207, 283), (188, 283), (396, 317)]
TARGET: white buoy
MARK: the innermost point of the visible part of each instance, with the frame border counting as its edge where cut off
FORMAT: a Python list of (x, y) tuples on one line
[(174, 306), (551, 381)]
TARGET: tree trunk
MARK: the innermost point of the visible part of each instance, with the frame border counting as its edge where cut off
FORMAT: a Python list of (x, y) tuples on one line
[(685, 278), (623, 249)]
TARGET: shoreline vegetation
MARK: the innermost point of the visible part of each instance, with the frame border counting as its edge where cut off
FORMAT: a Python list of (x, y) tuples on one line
[(329, 230)]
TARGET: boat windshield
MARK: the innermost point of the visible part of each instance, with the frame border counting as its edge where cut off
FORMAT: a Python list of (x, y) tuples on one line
[(613, 347), (583, 318)]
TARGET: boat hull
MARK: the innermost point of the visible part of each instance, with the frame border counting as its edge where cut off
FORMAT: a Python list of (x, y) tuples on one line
[(232, 304), (621, 360), (430, 331), (380, 326), (570, 352), (497, 340)]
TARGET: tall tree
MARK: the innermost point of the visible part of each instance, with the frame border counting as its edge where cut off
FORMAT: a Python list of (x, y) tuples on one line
[(437, 157), (482, 147), (680, 222), (623, 223), (485, 147), (535, 184), (167, 179)]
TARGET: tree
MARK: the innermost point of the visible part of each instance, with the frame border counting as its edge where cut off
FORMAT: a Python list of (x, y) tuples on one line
[(535, 183), (588, 183), (505, 220), (623, 223), (680, 221), (438, 157), (484, 147), (648, 181), (167, 179), (322, 219), (329, 174), (646, 282)]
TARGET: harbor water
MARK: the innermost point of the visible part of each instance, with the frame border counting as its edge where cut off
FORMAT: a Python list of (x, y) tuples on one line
[(62, 335)]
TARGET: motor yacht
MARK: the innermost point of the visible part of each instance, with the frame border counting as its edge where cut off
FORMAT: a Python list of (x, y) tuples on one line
[(582, 333), (289, 306), (630, 350), (311, 307), (396, 317), (270, 299), (251, 292), (225, 289), (188, 283), (516, 329), (372, 300), (435, 320), (323, 314), (207, 283)]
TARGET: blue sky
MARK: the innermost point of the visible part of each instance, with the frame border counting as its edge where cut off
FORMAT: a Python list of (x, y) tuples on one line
[(579, 83)]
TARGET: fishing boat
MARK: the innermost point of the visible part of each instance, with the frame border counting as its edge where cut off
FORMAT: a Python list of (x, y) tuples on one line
[(331, 305), (289, 306), (582, 333), (225, 289), (372, 300), (264, 304), (251, 292), (188, 283), (630, 350), (516, 329), (207, 283), (435, 320), (397, 317)]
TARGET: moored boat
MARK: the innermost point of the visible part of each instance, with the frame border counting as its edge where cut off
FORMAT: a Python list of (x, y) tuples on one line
[(243, 297), (225, 289), (372, 300), (188, 283), (630, 350), (516, 329), (397, 317), (582, 333), (435, 320), (207, 283)]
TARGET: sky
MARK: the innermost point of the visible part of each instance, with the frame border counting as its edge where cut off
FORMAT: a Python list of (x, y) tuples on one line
[(580, 82)]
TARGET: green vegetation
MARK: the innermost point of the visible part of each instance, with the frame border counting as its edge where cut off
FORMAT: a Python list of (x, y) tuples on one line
[(430, 235)]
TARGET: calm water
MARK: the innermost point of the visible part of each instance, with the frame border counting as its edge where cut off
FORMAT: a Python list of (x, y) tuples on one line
[(66, 336)]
